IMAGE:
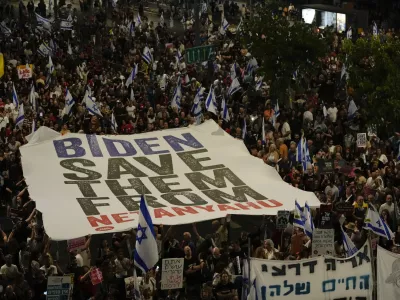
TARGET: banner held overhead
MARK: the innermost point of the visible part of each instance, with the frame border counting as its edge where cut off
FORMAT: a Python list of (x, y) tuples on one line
[(92, 184)]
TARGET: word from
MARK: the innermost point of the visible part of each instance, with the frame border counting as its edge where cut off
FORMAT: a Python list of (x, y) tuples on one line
[(351, 283)]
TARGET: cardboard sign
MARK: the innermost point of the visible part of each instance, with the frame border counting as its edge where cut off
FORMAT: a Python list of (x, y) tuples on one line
[(24, 72), (323, 242), (344, 208), (361, 140), (59, 287), (76, 244), (172, 273), (324, 166), (282, 219), (96, 276)]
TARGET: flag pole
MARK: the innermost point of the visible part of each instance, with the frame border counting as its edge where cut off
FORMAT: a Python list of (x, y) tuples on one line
[(373, 269)]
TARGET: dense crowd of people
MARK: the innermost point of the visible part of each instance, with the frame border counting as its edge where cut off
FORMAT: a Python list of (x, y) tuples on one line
[(98, 55)]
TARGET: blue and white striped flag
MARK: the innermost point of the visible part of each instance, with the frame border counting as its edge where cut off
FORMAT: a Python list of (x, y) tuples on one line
[(234, 87), (348, 244), (349, 33), (32, 98), (351, 111), (146, 254), (177, 96), (41, 19), (179, 55), (224, 112), (259, 82), (244, 129), (308, 224), (91, 106), (132, 29), (303, 155), (4, 29), (299, 218), (196, 108), (147, 56), (33, 126), (225, 24), (50, 65), (376, 224), (44, 50), (132, 76), (252, 65), (15, 97), (69, 103), (114, 124), (66, 25), (139, 19), (211, 102), (276, 114), (19, 121)]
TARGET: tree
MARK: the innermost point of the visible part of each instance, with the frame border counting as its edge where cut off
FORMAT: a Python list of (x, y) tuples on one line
[(282, 47), (373, 66)]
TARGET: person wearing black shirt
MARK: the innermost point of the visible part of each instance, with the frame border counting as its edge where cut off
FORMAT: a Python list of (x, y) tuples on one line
[(192, 271), (225, 290)]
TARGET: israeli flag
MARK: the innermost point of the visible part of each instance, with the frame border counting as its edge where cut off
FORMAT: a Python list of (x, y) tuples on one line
[(138, 19), (48, 81), (302, 150), (233, 70), (66, 25), (349, 33), (32, 98), (244, 129), (252, 65), (235, 86), (348, 244), (224, 27), (19, 121), (259, 83), (147, 56), (263, 139), (91, 106), (114, 124), (308, 224), (146, 254), (299, 218), (376, 224), (44, 50), (15, 97), (351, 111), (132, 76), (69, 103), (276, 113), (176, 98), (4, 29), (224, 112), (374, 29), (211, 102), (41, 20), (53, 46), (196, 108), (33, 126), (132, 29), (179, 55), (50, 65)]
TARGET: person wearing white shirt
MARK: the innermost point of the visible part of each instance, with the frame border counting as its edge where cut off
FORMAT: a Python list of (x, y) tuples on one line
[(48, 268), (332, 112), (286, 133), (130, 109), (122, 265), (9, 270), (9, 105), (3, 121)]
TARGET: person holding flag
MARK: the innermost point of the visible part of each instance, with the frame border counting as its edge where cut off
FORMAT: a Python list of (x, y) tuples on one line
[(19, 121), (69, 103), (147, 56), (91, 106), (224, 110), (211, 103), (15, 96), (132, 76), (373, 222)]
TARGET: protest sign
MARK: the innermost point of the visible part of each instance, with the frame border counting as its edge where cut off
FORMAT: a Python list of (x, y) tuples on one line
[(59, 287), (190, 174), (323, 242), (324, 166), (344, 207), (96, 276), (24, 72), (317, 278), (172, 273), (76, 244), (282, 219), (361, 140), (326, 216), (388, 274)]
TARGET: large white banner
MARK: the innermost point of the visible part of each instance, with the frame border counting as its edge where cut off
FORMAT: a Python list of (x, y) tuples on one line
[(388, 274), (326, 278), (88, 184)]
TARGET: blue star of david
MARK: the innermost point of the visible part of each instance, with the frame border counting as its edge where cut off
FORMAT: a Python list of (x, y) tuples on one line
[(142, 236), (95, 108)]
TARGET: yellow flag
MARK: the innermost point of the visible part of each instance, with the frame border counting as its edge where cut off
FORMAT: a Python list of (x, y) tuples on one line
[(1, 65)]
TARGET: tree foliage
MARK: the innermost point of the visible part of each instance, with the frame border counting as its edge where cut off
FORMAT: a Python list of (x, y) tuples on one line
[(373, 66), (282, 47)]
